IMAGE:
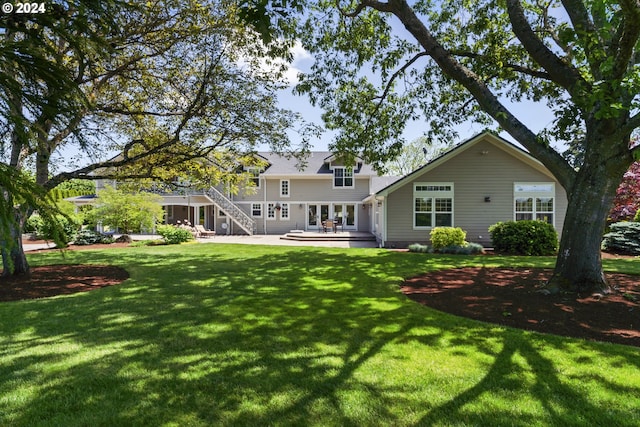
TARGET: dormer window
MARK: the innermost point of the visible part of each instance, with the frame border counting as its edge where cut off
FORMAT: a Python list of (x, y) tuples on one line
[(255, 176), (343, 177)]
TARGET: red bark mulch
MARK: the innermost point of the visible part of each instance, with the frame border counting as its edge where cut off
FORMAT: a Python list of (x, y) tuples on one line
[(52, 280), (512, 297)]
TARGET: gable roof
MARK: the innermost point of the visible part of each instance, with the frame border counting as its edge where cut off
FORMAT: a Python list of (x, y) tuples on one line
[(317, 163), (497, 141)]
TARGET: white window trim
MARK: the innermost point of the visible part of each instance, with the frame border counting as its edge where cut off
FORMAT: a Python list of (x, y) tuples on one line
[(282, 211), (282, 181), (344, 169), (252, 170), (271, 209), (260, 208), (169, 212), (433, 194), (535, 194)]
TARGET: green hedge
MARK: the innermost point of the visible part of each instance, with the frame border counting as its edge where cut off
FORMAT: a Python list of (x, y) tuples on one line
[(524, 238)]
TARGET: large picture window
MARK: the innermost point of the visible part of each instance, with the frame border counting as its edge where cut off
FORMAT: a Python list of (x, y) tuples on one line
[(432, 205), (534, 201)]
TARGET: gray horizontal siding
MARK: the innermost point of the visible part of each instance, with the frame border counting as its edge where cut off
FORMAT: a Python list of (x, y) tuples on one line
[(317, 190), (475, 176)]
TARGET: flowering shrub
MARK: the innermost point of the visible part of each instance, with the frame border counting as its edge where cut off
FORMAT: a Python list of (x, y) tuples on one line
[(626, 202), (174, 235)]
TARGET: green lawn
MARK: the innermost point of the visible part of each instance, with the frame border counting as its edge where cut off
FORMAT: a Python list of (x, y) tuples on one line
[(205, 335)]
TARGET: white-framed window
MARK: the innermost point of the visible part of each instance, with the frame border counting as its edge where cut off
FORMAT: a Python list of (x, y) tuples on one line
[(221, 213), (169, 209), (255, 176), (256, 210), (271, 211), (534, 200), (285, 186), (432, 205), (284, 211), (342, 177)]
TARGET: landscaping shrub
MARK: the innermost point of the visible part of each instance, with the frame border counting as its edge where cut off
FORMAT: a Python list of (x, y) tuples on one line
[(447, 236), (623, 238), (34, 224), (174, 235), (68, 226), (90, 237), (125, 238), (529, 237), (417, 247), (465, 249)]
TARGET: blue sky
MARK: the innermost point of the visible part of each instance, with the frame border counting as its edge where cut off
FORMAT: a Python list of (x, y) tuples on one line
[(536, 116)]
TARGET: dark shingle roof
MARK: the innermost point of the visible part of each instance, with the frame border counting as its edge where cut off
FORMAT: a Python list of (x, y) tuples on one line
[(315, 165)]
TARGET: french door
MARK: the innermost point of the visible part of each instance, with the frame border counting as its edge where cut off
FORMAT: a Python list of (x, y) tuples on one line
[(316, 214), (345, 214)]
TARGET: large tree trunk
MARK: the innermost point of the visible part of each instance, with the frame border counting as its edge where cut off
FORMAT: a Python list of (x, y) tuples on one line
[(579, 262), (14, 260)]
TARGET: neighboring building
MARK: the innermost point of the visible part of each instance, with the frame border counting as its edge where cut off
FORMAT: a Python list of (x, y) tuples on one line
[(472, 186)]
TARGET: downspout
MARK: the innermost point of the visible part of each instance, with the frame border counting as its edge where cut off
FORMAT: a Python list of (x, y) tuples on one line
[(265, 208), (384, 221)]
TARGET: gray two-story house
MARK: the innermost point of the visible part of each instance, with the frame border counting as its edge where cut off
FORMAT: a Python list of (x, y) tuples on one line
[(477, 183), (283, 198)]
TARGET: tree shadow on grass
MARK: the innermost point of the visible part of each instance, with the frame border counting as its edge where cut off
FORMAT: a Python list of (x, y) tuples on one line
[(258, 338)]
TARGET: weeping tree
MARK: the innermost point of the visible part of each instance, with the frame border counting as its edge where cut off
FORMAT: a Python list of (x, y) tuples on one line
[(380, 64), (19, 195), (133, 91)]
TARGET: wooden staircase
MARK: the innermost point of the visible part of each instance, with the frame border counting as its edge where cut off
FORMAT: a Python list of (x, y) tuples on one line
[(236, 214)]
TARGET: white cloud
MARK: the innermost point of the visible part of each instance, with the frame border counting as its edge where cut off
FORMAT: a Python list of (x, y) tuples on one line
[(300, 62)]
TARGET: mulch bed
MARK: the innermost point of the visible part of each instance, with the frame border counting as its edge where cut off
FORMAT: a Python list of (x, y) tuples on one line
[(52, 280), (512, 297)]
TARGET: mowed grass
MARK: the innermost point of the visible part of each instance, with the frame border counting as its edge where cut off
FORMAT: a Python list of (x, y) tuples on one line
[(213, 334)]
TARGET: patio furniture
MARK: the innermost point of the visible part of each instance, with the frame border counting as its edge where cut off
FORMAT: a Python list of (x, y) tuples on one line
[(203, 232), (329, 224)]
